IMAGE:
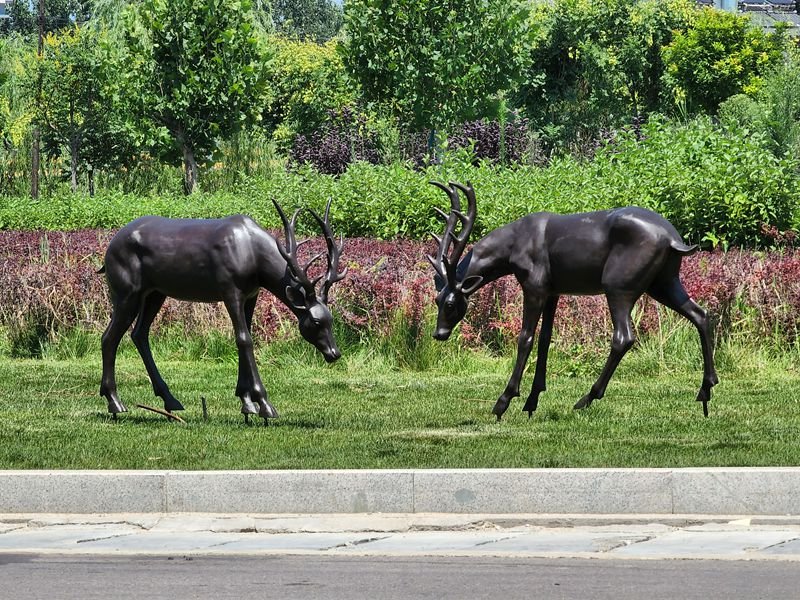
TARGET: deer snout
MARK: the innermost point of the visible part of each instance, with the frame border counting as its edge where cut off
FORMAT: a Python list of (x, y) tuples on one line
[(332, 355), (441, 334)]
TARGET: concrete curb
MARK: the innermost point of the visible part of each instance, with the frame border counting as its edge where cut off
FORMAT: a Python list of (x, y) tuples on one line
[(710, 491)]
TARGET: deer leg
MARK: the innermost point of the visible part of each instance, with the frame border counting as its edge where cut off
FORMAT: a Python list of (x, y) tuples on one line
[(249, 387), (674, 296), (122, 316), (242, 383), (141, 339), (532, 310), (545, 335), (621, 341)]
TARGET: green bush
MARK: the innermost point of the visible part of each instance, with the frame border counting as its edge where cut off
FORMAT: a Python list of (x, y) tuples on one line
[(305, 82), (597, 63), (717, 185), (775, 110), (720, 55)]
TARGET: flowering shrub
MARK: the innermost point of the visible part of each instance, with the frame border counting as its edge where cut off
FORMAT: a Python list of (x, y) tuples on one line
[(49, 284), (342, 139), (480, 141), (484, 139)]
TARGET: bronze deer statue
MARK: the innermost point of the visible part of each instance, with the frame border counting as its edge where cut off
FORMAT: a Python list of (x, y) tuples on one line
[(212, 260), (622, 253)]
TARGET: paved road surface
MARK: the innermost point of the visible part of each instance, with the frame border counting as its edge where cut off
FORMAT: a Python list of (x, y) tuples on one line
[(397, 556), (36, 577)]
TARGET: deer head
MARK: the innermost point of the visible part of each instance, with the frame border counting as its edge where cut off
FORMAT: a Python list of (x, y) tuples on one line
[(453, 293), (313, 315)]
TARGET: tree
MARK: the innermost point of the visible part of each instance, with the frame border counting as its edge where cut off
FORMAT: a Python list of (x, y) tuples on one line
[(58, 14), (74, 71), (308, 20), (197, 69), (307, 81), (434, 63), (720, 55), (597, 63), (16, 111)]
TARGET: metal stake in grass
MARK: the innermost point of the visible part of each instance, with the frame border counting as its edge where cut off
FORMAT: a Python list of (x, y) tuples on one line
[(205, 408)]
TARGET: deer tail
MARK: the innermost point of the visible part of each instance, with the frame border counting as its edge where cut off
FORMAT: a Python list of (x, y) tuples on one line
[(102, 269), (682, 248)]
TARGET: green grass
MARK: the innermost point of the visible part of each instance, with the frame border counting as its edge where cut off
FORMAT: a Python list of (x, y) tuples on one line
[(364, 412)]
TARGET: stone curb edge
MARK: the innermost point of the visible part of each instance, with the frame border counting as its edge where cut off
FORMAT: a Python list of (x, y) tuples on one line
[(710, 491)]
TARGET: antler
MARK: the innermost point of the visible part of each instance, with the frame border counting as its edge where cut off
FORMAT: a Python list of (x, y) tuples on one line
[(289, 253), (332, 275), (447, 258)]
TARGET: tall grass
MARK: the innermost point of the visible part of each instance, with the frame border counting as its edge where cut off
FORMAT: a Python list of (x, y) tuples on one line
[(54, 303)]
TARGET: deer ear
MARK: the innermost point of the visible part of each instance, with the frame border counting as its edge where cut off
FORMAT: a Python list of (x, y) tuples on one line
[(297, 298), (438, 281), (471, 283)]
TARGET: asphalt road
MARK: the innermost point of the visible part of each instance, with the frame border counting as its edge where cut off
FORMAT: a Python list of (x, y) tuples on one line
[(28, 577)]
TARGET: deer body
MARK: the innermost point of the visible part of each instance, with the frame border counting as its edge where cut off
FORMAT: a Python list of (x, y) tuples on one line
[(211, 260), (540, 249), (195, 259), (621, 253)]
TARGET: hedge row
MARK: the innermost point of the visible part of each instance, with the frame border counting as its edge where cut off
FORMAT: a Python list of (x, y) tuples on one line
[(718, 186), (49, 287)]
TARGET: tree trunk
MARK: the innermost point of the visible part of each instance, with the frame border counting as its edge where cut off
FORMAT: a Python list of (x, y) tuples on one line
[(189, 170), (74, 146), (36, 148), (433, 146), (35, 154), (90, 175)]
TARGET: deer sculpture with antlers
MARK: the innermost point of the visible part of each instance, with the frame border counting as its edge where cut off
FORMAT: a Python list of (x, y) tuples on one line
[(622, 253), (212, 260)]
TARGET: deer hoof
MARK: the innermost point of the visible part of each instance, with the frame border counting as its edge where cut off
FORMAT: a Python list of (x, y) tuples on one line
[(584, 402), (704, 395), (531, 405), (248, 408), (500, 407), (115, 406), (267, 411), (171, 404)]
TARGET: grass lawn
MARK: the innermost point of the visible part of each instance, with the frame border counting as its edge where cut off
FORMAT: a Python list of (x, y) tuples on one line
[(363, 412)]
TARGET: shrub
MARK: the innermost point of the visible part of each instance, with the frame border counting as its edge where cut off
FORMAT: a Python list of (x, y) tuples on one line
[(719, 186), (344, 138), (307, 80), (495, 141), (597, 63), (716, 185), (719, 55), (775, 109), (49, 290)]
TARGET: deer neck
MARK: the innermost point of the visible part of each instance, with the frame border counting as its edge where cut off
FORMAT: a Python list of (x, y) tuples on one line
[(484, 261)]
